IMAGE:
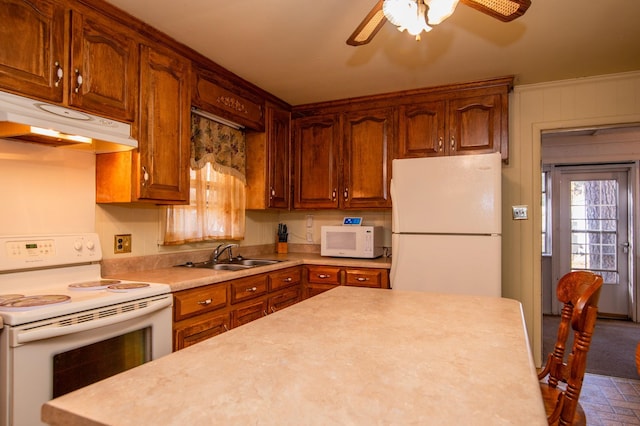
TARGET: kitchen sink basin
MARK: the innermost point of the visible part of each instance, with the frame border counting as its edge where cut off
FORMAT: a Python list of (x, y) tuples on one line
[(234, 265)]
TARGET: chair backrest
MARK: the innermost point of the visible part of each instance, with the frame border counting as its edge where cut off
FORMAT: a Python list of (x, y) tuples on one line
[(579, 292)]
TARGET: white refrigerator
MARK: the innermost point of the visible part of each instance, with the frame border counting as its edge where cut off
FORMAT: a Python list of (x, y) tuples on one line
[(447, 224)]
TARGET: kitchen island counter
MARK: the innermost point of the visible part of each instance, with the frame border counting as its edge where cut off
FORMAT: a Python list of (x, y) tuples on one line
[(438, 359)]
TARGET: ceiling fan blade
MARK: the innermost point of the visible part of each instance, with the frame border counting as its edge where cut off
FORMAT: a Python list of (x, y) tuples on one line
[(368, 27), (504, 10)]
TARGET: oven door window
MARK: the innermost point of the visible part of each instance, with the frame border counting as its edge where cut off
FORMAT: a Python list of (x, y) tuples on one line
[(83, 366)]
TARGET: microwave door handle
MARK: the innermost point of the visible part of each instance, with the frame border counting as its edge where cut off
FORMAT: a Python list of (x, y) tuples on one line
[(26, 336)]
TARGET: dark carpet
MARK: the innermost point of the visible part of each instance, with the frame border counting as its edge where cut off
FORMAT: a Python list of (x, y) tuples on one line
[(613, 346)]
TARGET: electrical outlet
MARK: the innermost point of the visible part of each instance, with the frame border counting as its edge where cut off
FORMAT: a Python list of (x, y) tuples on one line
[(519, 212), (122, 243)]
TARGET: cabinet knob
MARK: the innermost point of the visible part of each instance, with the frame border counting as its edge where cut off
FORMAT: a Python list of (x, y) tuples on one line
[(78, 81), (453, 143), (145, 176), (204, 302), (323, 276), (251, 289), (288, 280), (333, 194), (272, 193), (440, 143), (346, 193), (59, 74), (361, 279)]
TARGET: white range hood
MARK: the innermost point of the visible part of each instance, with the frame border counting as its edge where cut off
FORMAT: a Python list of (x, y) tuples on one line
[(34, 121)]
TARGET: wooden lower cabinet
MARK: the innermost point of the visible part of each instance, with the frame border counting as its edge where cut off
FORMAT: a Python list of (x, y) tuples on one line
[(204, 312), (322, 278), (202, 329), (248, 312)]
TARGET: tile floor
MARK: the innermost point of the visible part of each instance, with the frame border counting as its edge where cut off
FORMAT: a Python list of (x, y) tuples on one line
[(610, 400)]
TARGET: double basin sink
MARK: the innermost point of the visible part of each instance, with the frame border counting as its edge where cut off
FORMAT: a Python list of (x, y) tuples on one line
[(236, 264)]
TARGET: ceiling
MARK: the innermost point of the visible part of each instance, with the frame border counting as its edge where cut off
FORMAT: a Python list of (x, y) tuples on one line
[(296, 50)]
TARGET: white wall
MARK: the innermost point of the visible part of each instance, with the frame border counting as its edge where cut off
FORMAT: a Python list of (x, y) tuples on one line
[(533, 108)]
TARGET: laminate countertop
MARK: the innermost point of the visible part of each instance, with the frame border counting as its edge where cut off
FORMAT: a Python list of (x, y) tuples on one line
[(182, 278), (349, 356)]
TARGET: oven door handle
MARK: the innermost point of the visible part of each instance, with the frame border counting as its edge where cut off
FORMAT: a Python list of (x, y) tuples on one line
[(47, 332)]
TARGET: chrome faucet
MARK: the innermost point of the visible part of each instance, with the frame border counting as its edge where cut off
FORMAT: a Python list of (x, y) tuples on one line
[(217, 252)]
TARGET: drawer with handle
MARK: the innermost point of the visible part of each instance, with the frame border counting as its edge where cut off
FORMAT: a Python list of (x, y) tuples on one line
[(284, 278), (188, 303), (366, 278), (248, 288), (323, 275)]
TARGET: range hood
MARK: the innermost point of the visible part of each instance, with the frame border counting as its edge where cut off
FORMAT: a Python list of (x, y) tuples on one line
[(34, 121)]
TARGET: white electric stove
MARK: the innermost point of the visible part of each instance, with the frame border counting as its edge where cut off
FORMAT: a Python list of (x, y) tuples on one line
[(56, 307)]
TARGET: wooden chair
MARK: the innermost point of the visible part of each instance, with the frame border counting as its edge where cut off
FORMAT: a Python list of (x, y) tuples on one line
[(579, 292)]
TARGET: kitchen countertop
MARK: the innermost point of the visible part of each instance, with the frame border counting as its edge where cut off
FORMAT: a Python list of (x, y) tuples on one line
[(347, 356), (181, 278)]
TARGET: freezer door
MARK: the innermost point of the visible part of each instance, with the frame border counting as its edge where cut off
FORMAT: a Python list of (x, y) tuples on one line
[(459, 264), (458, 194)]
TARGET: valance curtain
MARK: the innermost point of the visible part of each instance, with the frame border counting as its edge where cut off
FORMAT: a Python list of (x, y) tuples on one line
[(217, 193)]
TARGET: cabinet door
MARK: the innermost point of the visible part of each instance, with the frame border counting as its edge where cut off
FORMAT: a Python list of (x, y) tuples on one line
[(317, 155), (104, 67), (278, 145), (164, 126), (475, 124), (283, 299), (32, 56), (367, 151), (248, 312), (199, 330), (421, 130)]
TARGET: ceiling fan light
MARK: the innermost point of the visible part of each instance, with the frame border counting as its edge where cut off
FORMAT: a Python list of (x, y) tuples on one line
[(439, 10), (407, 15)]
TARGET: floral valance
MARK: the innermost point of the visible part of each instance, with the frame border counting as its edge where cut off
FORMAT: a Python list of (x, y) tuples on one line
[(220, 145)]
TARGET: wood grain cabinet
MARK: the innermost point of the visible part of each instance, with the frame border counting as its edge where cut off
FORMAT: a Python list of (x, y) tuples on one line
[(32, 51), (344, 161), (199, 314), (368, 137), (158, 172), (268, 162), (322, 278), (317, 153), (97, 71)]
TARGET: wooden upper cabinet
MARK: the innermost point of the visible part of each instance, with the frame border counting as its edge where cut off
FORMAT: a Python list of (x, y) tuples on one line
[(367, 151), (164, 126), (268, 162), (104, 67), (32, 53), (317, 155), (95, 69), (475, 124), (421, 129), (158, 171), (215, 94)]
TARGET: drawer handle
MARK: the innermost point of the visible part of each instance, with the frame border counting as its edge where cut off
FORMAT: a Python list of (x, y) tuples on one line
[(288, 280), (265, 313), (225, 327), (323, 276), (362, 279), (273, 310), (205, 302), (251, 289)]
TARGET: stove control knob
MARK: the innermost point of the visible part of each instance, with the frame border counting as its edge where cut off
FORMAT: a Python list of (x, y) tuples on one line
[(77, 245), (91, 245)]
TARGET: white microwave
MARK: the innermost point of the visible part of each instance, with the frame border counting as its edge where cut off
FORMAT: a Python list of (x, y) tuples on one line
[(351, 241)]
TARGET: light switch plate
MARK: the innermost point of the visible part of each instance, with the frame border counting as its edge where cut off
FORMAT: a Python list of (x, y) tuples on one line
[(520, 212)]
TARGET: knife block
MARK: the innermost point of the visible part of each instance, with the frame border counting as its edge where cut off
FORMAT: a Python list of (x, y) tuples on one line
[(281, 248)]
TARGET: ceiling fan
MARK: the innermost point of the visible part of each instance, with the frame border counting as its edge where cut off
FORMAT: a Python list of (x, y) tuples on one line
[(424, 13)]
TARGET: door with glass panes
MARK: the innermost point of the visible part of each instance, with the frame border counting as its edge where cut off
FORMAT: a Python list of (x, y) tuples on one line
[(591, 231)]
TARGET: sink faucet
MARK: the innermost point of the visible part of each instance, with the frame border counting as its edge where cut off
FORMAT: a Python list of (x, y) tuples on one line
[(221, 249)]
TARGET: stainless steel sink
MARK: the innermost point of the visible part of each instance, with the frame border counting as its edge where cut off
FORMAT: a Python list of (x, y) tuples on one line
[(234, 265)]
